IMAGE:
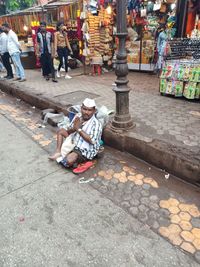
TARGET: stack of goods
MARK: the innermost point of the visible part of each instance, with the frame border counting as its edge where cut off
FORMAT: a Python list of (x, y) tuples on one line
[(133, 49), (182, 48), (97, 35), (106, 32), (147, 51), (181, 78), (94, 41)]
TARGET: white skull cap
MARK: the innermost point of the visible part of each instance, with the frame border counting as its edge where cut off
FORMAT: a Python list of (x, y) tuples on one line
[(89, 103)]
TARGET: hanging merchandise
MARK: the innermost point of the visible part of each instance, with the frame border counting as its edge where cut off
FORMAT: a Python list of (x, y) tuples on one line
[(157, 6), (148, 19), (97, 34), (163, 8), (134, 5)]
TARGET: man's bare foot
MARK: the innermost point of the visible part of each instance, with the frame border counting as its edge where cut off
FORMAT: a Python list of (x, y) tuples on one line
[(55, 156)]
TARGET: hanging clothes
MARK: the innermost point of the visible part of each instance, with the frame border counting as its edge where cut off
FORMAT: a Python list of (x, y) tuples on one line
[(161, 46)]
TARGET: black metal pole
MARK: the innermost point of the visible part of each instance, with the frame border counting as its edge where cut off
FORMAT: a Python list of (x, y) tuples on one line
[(122, 119), (182, 6)]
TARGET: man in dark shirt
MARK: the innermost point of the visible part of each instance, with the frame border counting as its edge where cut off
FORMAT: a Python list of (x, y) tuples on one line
[(45, 51)]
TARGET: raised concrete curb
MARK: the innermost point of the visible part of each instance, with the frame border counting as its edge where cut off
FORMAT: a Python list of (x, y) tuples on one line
[(170, 158), (158, 153)]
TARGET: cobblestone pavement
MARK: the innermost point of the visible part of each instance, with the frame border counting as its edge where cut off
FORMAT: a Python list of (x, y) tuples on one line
[(176, 121), (165, 204)]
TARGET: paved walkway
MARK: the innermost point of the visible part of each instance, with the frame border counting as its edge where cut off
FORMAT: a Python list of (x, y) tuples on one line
[(175, 121), (165, 118), (162, 204)]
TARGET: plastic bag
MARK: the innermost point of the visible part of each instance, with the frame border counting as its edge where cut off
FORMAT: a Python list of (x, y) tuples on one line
[(67, 146)]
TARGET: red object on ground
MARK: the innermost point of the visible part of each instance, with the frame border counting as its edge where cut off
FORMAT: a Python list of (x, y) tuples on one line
[(83, 167), (21, 219)]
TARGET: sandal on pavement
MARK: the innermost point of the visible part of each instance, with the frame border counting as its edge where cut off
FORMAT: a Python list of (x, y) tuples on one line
[(81, 168)]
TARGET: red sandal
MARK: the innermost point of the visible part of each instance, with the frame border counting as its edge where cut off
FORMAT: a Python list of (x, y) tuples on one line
[(81, 168)]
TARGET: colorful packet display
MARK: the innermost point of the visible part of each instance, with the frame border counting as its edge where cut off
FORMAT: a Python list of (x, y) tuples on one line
[(163, 73), (181, 73), (192, 74), (181, 78), (186, 73), (196, 74), (169, 71), (175, 71), (197, 91), (170, 88), (190, 90), (163, 86), (178, 89)]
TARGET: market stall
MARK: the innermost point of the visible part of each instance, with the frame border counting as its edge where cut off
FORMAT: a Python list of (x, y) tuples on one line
[(181, 72), (145, 20), (97, 31), (26, 24)]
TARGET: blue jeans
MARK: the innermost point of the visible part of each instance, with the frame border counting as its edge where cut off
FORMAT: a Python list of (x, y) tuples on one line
[(18, 65)]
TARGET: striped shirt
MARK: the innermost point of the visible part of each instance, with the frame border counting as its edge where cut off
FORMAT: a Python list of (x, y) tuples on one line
[(93, 128)]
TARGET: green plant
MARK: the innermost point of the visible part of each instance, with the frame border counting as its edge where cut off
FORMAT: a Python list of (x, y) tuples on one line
[(13, 5)]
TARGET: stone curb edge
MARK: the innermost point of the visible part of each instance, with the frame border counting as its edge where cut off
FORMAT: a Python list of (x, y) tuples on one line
[(154, 152)]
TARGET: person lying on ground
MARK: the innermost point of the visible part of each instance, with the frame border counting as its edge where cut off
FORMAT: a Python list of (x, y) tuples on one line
[(86, 133)]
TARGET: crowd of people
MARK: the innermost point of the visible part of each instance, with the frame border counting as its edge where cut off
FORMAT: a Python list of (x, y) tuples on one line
[(48, 47)]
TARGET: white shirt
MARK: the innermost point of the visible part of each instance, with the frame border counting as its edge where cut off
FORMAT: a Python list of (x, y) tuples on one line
[(93, 128), (13, 43), (3, 43)]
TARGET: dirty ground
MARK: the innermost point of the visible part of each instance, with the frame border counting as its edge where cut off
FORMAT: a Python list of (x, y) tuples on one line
[(150, 210)]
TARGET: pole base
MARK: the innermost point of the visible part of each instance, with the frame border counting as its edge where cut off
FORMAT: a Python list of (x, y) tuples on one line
[(122, 122)]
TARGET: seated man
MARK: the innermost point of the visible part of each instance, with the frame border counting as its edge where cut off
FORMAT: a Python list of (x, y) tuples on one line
[(86, 130)]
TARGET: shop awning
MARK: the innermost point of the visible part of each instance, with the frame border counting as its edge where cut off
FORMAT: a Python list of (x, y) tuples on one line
[(37, 9)]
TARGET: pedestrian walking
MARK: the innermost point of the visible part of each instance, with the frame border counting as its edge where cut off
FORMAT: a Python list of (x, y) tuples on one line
[(45, 50), (5, 55), (14, 49), (62, 48)]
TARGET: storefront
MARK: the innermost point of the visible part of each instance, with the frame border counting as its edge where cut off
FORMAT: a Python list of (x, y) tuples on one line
[(26, 23), (146, 19), (181, 72), (97, 28)]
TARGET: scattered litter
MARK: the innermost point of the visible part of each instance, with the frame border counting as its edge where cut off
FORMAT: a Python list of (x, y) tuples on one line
[(195, 113), (83, 180), (41, 125), (167, 176), (52, 115), (105, 70), (18, 99), (33, 107), (149, 168), (59, 159), (64, 123), (21, 219), (29, 112), (103, 115)]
